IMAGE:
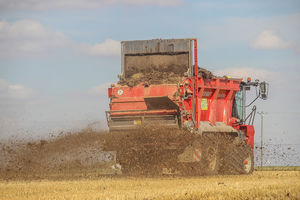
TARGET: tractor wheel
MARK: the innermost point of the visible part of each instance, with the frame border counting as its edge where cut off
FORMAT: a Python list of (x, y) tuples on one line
[(248, 161), (237, 159)]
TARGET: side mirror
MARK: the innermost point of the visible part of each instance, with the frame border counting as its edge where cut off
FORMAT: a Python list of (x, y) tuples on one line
[(263, 90)]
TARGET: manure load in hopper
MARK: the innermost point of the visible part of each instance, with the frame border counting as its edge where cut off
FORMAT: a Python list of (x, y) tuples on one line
[(157, 62)]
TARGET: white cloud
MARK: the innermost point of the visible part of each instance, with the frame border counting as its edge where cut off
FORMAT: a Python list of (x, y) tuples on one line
[(242, 30), (244, 72), (28, 38), (10, 91), (79, 4), (267, 39), (108, 48)]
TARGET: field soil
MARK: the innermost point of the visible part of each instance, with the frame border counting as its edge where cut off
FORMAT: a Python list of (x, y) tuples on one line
[(259, 185)]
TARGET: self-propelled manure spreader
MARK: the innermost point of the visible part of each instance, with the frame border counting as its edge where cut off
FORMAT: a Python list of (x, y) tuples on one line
[(199, 119)]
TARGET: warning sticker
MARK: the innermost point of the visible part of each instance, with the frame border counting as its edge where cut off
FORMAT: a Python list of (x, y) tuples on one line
[(204, 104), (137, 122), (197, 155)]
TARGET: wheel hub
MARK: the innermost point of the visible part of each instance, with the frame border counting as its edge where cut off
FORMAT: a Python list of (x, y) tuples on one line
[(247, 164)]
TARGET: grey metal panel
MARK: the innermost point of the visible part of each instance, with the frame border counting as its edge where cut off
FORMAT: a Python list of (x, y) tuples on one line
[(155, 46)]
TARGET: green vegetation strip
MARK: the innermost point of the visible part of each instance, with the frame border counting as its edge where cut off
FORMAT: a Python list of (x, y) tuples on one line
[(278, 168)]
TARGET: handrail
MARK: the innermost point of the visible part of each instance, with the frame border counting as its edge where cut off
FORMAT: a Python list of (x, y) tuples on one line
[(251, 116)]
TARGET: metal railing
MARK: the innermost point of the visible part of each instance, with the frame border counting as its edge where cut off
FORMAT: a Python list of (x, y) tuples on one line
[(250, 118)]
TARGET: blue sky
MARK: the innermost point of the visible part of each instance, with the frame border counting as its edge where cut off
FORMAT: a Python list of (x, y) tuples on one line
[(58, 57)]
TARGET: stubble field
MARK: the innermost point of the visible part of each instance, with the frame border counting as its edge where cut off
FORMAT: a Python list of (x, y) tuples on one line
[(69, 167), (259, 185)]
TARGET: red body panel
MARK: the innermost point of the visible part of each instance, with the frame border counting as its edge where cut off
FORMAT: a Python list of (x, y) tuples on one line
[(249, 130), (215, 97), (132, 98)]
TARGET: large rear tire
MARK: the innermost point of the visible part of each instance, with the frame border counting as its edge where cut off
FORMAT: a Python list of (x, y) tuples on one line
[(248, 161), (236, 158)]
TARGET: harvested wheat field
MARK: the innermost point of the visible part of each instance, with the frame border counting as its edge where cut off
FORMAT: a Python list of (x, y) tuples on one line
[(259, 185), (70, 167)]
